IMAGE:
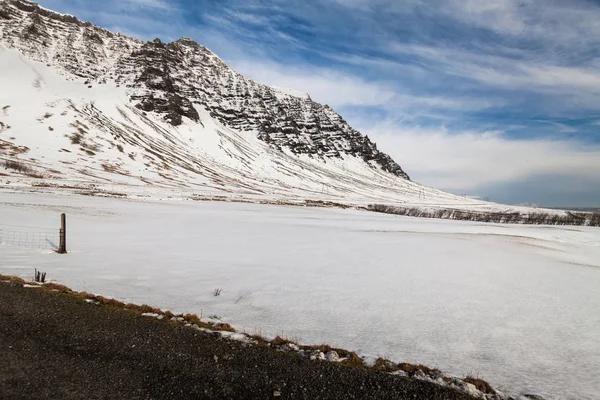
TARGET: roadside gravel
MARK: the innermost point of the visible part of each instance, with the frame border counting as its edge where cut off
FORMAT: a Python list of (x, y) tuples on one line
[(55, 346)]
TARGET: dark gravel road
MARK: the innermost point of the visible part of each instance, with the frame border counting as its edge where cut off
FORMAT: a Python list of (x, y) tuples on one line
[(55, 346)]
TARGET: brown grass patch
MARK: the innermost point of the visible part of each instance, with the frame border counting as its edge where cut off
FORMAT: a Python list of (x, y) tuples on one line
[(56, 286), (480, 384), (12, 279), (354, 361), (223, 326), (325, 348), (145, 308), (109, 302), (410, 369), (279, 341), (84, 295), (385, 365), (259, 339), (195, 320), (17, 166)]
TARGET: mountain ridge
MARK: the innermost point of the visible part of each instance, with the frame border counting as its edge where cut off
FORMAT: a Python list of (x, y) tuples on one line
[(171, 78)]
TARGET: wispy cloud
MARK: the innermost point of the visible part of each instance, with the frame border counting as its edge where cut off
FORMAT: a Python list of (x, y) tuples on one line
[(148, 3), (468, 161), (504, 72)]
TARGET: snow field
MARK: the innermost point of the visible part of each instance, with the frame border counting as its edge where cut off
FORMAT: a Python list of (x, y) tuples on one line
[(516, 305)]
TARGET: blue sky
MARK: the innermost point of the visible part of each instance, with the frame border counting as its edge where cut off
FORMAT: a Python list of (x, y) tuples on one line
[(493, 98)]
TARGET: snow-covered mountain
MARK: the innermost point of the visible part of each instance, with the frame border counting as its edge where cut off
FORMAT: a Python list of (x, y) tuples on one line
[(82, 106)]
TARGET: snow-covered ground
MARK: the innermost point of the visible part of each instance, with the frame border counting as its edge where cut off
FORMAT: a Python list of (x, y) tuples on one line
[(516, 305)]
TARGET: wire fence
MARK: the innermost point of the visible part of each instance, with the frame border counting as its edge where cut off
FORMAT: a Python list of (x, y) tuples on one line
[(30, 237)]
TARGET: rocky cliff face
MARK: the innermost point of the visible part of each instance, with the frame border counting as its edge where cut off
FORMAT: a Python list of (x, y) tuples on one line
[(173, 79)]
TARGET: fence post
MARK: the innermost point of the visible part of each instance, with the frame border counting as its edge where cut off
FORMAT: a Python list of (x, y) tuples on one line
[(62, 247)]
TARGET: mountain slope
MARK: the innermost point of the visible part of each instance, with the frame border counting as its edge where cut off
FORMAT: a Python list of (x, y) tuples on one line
[(84, 106), (171, 79)]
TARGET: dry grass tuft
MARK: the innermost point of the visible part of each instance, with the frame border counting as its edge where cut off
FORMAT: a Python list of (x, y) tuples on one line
[(84, 295), (353, 360), (17, 166), (385, 365), (56, 286), (279, 341), (223, 327), (145, 308), (480, 384), (110, 302), (260, 339), (325, 348), (195, 320), (12, 279), (168, 314), (410, 369)]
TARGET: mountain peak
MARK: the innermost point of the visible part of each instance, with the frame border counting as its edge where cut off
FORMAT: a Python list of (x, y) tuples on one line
[(175, 81)]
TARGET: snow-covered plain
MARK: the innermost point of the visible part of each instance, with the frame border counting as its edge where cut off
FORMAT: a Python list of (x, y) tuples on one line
[(516, 305)]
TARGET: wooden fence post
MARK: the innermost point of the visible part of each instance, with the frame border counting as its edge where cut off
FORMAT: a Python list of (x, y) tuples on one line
[(62, 247)]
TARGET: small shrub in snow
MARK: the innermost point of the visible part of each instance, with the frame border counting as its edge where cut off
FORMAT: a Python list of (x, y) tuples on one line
[(17, 166), (217, 292), (76, 138)]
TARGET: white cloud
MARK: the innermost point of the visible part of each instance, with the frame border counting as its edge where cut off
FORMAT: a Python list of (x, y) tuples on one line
[(324, 85), (500, 15), (465, 161)]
